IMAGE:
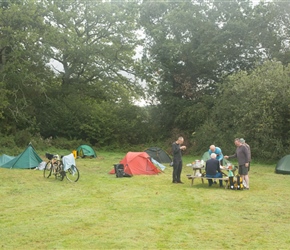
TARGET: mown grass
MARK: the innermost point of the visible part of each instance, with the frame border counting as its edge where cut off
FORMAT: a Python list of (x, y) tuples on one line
[(101, 211)]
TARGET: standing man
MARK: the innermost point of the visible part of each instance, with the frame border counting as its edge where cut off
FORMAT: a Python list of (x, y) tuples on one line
[(247, 178), (218, 152), (212, 169), (243, 156), (177, 159)]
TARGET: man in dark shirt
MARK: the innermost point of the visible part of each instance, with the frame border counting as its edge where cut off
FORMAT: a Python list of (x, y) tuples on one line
[(212, 169), (177, 160)]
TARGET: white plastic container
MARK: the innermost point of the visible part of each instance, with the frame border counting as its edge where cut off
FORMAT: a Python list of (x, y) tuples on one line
[(197, 163)]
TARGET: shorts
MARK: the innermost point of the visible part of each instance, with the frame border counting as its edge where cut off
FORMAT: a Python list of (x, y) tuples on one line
[(243, 170)]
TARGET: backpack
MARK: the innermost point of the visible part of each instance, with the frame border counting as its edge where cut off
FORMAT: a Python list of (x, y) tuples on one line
[(119, 170)]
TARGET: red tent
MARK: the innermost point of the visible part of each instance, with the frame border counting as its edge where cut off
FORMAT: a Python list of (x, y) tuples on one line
[(136, 163)]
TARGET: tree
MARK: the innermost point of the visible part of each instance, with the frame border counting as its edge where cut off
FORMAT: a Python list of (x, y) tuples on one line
[(23, 65), (191, 47), (94, 43), (254, 106)]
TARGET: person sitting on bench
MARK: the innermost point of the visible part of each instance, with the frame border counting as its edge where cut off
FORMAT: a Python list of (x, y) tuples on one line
[(212, 169)]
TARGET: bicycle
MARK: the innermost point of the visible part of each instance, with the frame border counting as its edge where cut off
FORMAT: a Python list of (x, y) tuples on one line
[(55, 166)]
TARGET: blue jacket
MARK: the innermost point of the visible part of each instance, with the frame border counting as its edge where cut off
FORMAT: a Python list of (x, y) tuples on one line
[(218, 152)]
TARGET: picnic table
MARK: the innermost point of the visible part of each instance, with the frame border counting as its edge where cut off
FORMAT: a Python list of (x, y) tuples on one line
[(199, 173), (198, 167)]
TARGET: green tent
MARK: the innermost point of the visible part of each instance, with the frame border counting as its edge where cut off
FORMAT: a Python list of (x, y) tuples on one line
[(27, 159), (5, 158), (205, 156), (283, 165), (86, 151), (158, 154)]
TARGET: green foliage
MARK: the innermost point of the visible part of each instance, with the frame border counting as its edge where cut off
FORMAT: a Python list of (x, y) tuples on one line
[(7, 144), (14, 145), (3, 99), (254, 106), (100, 123), (185, 60), (66, 144), (22, 138), (94, 47), (23, 65), (94, 44)]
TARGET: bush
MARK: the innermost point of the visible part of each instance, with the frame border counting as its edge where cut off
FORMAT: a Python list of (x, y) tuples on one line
[(64, 143), (8, 146), (22, 138)]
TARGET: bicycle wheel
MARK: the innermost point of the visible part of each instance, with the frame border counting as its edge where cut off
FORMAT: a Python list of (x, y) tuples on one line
[(47, 170), (72, 174), (59, 174)]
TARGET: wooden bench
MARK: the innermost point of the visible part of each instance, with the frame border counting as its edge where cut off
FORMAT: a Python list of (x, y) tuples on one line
[(192, 177)]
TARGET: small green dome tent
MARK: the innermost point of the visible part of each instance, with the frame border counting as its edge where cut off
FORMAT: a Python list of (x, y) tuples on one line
[(86, 151), (283, 165)]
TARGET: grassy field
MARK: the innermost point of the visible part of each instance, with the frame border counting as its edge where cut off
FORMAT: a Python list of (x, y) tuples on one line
[(101, 211)]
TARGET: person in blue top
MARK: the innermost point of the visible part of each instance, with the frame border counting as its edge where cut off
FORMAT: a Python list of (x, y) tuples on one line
[(218, 152)]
